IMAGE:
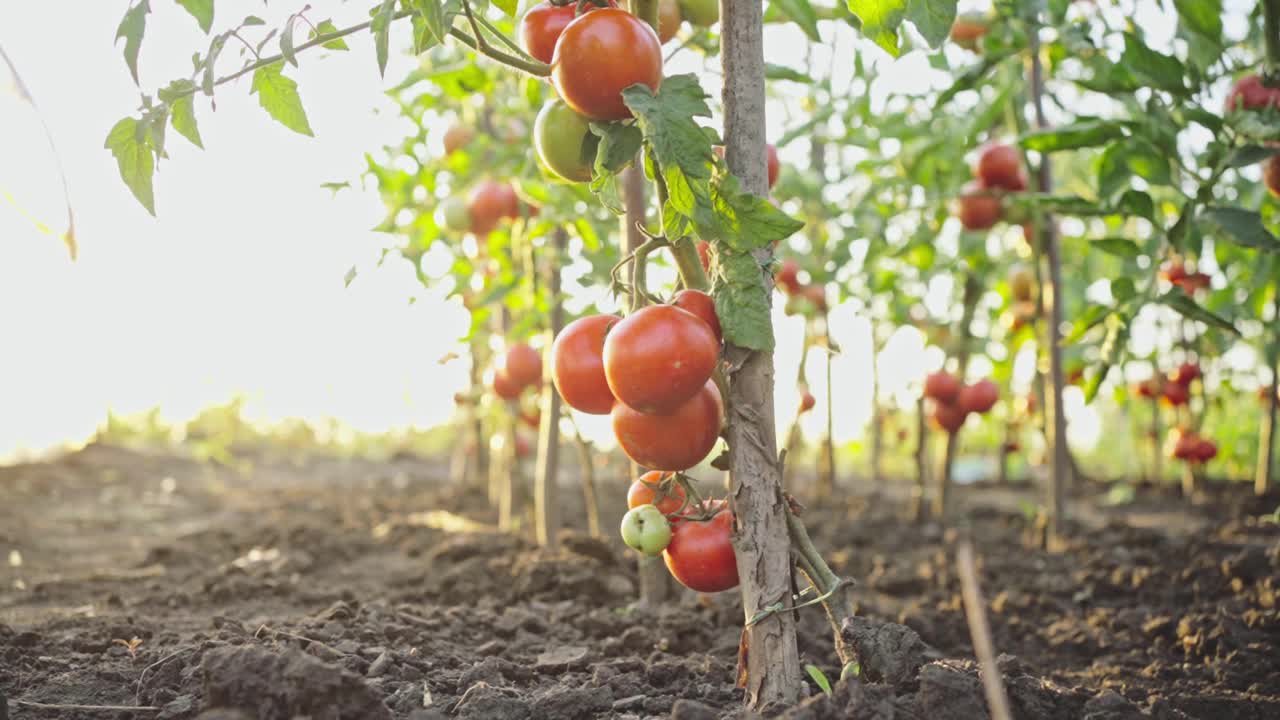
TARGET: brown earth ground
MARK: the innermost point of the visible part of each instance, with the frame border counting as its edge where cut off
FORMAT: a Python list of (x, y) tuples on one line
[(325, 588)]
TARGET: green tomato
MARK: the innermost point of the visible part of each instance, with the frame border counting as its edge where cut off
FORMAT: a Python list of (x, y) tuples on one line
[(703, 13), (454, 215), (646, 529), (560, 135)]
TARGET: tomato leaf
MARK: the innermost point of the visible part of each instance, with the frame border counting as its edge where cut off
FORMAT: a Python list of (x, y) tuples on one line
[(1247, 155), (1090, 133), (324, 27), (782, 72), (880, 20), (130, 142), (1119, 247), (1188, 308), (741, 302), (381, 28), (741, 220), (1243, 227), (131, 28), (667, 121), (617, 147), (507, 6), (1204, 17), (801, 13), (182, 111), (932, 18), (1160, 71), (286, 41), (201, 10), (278, 95)]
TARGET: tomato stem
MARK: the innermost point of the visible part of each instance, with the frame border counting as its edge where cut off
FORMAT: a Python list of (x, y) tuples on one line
[(482, 46)]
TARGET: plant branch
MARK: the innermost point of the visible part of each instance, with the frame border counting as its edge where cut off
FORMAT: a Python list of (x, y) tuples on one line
[(1271, 38)]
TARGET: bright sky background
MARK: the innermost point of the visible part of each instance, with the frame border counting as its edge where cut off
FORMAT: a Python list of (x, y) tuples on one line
[(237, 286)]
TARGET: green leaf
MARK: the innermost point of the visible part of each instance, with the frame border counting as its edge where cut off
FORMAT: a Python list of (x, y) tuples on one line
[(201, 10), (969, 79), (252, 20), (819, 678), (801, 13), (742, 304), (381, 28), (183, 117), (1204, 17), (324, 27), (218, 42), (1090, 133), (932, 18), (1123, 290), (1160, 71), (131, 28), (880, 20), (741, 220), (1148, 162), (437, 16), (1087, 321), (286, 41), (130, 142), (617, 147), (1119, 247), (507, 6), (667, 121), (1243, 227), (278, 95), (1188, 308), (1247, 155), (782, 72)]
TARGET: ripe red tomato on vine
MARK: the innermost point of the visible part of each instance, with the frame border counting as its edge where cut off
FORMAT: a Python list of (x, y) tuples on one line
[(540, 28), (701, 305), (700, 555), (648, 489), (577, 364), (489, 203), (658, 357), (673, 441), (600, 54)]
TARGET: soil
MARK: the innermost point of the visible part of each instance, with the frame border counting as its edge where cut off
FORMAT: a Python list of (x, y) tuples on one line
[(335, 588)]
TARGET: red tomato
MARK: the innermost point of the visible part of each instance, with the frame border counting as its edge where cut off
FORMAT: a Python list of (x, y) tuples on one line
[(523, 446), (816, 295), (978, 209), (1173, 271), (532, 418), (771, 158), (521, 364), (542, 25), (659, 357), (1185, 373), (598, 56), (700, 304), (675, 441), (1194, 281), (1148, 388), (1248, 93), (1206, 450), (999, 166), (1176, 394), (1182, 444), (949, 417), (1271, 175), (979, 397), (701, 556), (577, 364), (968, 30), (456, 137), (941, 386), (786, 277), (807, 402), (504, 387), (489, 203), (669, 497), (669, 20), (704, 254)]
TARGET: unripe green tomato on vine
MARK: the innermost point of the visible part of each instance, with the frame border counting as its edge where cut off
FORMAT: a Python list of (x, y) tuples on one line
[(703, 13), (453, 215), (559, 134), (646, 530)]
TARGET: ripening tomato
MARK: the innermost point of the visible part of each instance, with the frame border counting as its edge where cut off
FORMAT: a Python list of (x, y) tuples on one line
[(674, 441), (1176, 395), (977, 208), (599, 55), (456, 137), (523, 446), (807, 401), (489, 203), (522, 364), (1075, 374), (577, 364), (941, 386), (1148, 388), (669, 20), (700, 555), (658, 357), (1173, 271), (700, 304), (703, 13), (1185, 373), (1193, 282), (532, 418), (542, 25), (560, 136), (979, 397), (968, 29), (999, 166), (949, 417), (1248, 93), (1022, 282), (453, 215), (656, 488), (504, 387), (786, 277), (1271, 175)]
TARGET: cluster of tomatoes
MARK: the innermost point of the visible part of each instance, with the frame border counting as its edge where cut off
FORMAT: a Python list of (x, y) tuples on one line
[(1189, 445), (694, 537), (595, 55), (1173, 390), (998, 170), (651, 372), (1251, 93), (1175, 273), (488, 204), (953, 400), (800, 297)]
